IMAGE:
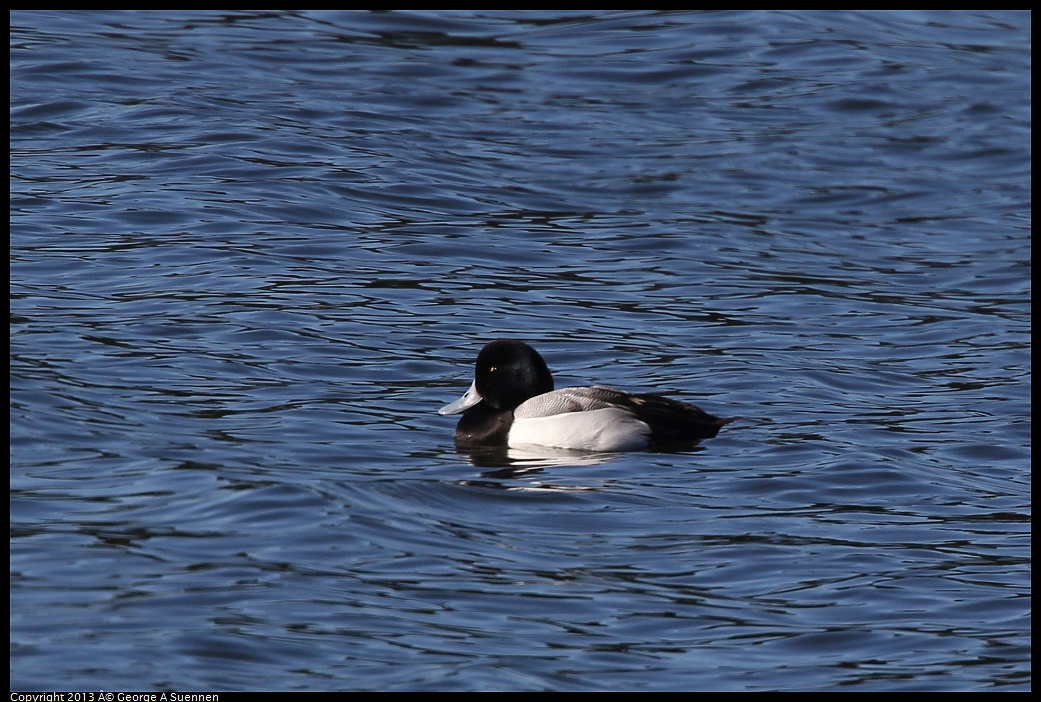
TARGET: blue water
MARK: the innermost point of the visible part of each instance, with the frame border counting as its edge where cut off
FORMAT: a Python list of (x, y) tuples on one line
[(252, 254)]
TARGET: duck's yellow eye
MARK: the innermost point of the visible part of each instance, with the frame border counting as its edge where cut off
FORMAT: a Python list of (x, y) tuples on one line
[(493, 369)]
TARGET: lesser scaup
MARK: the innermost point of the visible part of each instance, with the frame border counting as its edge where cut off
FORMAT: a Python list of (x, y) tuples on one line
[(511, 402)]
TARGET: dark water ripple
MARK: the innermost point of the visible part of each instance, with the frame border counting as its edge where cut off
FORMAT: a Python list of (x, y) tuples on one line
[(252, 253)]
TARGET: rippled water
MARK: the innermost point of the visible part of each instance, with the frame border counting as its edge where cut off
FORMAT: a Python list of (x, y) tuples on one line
[(253, 253)]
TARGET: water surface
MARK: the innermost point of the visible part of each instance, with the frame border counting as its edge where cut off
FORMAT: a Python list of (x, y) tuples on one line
[(253, 252)]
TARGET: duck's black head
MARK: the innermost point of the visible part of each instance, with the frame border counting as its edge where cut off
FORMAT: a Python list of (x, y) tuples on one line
[(508, 372)]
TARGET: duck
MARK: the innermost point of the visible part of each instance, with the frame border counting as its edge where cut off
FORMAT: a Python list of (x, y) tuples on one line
[(512, 403)]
